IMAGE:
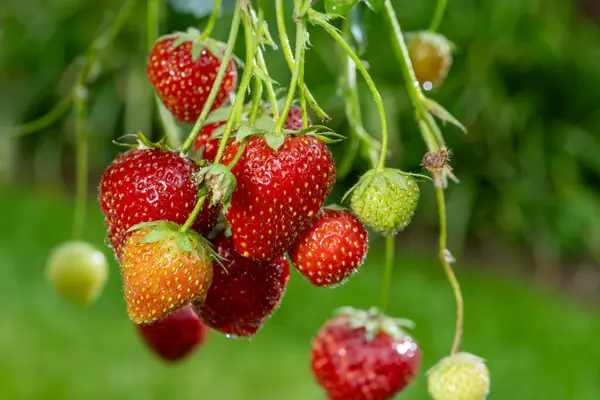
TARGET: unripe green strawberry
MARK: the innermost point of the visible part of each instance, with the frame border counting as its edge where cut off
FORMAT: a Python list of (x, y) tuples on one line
[(78, 271), (385, 200), (462, 376)]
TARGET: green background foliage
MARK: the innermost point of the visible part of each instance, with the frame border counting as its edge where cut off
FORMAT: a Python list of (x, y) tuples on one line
[(525, 82)]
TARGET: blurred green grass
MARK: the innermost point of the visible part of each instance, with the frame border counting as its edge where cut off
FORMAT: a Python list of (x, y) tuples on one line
[(538, 345)]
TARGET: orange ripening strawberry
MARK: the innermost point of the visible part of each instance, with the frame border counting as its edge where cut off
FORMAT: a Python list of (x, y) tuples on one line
[(278, 193), (183, 70), (164, 270), (332, 249)]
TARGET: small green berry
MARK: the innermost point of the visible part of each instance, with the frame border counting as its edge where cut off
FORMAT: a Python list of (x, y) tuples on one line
[(462, 376), (78, 271), (385, 200)]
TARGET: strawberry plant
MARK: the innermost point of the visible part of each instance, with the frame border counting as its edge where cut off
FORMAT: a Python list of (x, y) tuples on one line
[(206, 226)]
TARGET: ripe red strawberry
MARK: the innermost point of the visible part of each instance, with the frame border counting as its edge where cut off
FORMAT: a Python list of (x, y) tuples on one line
[(362, 355), (164, 270), (150, 185), (277, 194), (184, 82), (292, 123), (175, 337), (244, 293), (332, 249)]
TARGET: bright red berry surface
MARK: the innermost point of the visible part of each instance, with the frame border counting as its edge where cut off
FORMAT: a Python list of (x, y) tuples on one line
[(332, 249), (293, 123), (183, 84), (244, 293), (350, 367), (175, 337), (277, 195), (150, 185)]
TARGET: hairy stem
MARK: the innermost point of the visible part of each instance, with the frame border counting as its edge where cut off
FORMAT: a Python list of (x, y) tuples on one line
[(359, 65), (289, 58), (439, 15), (235, 24), (300, 47), (260, 58), (434, 141), (238, 154), (387, 273), (238, 104), (211, 21), (194, 214), (444, 259)]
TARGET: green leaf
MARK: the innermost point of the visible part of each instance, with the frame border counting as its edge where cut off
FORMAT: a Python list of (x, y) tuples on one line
[(436, 109), (275, 141), (375, 5), (340, 7), (155, 235)]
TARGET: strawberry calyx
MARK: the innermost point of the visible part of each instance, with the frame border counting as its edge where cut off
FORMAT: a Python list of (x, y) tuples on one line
[(142, 142), (187, 241), (194, 36), (373, 321), (462, 358), (219, 181)]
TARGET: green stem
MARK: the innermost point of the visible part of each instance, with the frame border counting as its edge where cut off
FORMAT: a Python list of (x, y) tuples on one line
[(238, 155), (387, 273), (81, 154), (303, 96), (235, 24), (212, 21), (449, 271), (43, 121), (433, 140), (257, 91), (300, 47), (439, 15), (289, 58), (152, 22), (359, 65), (192, 217), (238, 104), (263, 65)]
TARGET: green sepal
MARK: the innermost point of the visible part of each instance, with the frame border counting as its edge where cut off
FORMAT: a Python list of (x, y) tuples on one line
[(166, 225), (374, 321), (142, 142), (155, 235), (336, 207), (275, 140), (263, 76), (444, 115), (340, 7), (184, 243), (315, 17)]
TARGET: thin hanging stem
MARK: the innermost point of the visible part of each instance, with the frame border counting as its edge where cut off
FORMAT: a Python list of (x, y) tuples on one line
[(212, 20), (439, 15), (81, 155), (45, 120), (359, 65), (289, 58), (238, 104), (427, 128), (235, 24), (194, 214), (387, 273), (263, 65), (300, 47)]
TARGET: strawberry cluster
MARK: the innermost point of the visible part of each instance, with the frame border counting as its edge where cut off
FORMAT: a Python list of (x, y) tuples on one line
[(193, 259)]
